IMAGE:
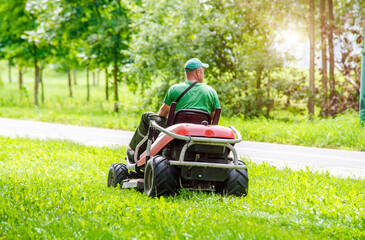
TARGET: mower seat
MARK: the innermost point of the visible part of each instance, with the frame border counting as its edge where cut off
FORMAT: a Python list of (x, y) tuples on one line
[(191, 116)]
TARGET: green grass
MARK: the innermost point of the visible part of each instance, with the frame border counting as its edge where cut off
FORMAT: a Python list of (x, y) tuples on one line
[(57, 189), (342, 132)]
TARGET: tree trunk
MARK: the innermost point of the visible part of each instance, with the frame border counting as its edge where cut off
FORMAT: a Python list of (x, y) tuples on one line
[(74, 73), (311, 60), (115, 74), (324, 44), (271, 102), (324, 56), (36, 75), (69, 81), (41, 81), (20, 77), (98, 78), (87, 83), (93, 74), (106, 85), (259, 75), (9, 65), (331, 51)]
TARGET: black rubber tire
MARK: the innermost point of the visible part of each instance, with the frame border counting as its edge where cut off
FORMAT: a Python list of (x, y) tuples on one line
[(237, 182), (117, 173), (160, 178)]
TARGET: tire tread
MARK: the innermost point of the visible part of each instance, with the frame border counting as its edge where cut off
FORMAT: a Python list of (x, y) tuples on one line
[(165, 177), (237, 182), (118, 172)]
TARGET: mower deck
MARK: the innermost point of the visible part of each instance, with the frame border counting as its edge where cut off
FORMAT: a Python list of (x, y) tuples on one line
[(133, 183)]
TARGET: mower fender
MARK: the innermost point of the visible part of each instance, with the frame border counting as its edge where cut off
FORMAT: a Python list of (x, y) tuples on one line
[(187, 129)]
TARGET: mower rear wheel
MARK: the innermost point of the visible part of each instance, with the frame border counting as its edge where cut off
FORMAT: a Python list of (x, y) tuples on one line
[(160, 178), (117, 173), (237, 182)]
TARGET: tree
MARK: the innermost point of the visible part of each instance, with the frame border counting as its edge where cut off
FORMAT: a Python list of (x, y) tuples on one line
[(20, 37), (15, 23), (111, 34), (39, 47), (324, 54), (311, 59), (346, 21), (9, 70), (104, 27), (331, 51)]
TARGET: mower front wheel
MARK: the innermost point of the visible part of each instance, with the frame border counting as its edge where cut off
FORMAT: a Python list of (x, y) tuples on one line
[(160, 178), (117, 173), (237, 182)]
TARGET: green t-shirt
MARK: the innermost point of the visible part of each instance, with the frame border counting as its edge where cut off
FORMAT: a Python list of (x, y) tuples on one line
[(200, 97)]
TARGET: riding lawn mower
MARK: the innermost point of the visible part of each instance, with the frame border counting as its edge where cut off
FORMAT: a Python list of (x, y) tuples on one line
[(192, 152)]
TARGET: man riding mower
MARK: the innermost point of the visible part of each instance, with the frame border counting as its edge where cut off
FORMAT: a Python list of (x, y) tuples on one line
[(189, 150)]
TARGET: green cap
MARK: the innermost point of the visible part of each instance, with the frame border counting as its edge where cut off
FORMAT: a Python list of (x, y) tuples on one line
[(193, 64)]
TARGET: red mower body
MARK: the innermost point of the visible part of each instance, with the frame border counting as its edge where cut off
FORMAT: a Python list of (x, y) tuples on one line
[(188, 129)]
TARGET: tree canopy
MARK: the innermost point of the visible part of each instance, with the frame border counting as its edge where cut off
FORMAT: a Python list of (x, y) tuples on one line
[(148, 42)]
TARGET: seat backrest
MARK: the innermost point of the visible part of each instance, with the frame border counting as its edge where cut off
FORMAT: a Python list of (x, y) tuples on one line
[(190, 116)]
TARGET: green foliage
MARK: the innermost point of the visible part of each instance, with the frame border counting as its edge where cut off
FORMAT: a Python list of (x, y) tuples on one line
[(239, 50), (16, 21), (53, 189), (147, 43), (100, 30)]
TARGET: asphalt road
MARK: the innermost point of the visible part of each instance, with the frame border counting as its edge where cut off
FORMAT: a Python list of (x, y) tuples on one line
[(336, 162)]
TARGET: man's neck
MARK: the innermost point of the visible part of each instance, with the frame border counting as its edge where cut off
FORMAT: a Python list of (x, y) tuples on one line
[(192, 80)]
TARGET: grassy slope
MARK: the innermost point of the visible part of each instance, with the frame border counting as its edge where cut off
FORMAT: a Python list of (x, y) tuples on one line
[(55, 189), (343, 132)]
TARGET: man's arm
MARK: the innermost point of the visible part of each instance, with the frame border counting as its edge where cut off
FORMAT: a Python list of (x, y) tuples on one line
[(164, 110), (213, 113)]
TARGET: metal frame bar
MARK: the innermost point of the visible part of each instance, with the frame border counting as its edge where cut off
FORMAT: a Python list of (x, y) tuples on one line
[(203, 164), (138, 146), (204, 141), (188, 144)]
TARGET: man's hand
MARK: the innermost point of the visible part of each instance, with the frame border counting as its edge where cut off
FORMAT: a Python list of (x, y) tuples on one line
[(164, 110)]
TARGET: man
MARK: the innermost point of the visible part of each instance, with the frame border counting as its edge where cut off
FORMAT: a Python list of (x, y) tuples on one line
[(200, 97)]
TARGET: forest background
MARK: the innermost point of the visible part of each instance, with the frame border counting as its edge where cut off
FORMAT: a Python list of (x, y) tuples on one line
[(141, 46)]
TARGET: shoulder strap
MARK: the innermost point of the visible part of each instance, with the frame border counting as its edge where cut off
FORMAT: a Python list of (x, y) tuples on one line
[(186, 90)]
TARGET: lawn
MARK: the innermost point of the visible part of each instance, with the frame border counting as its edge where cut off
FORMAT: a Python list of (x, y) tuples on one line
[(57, 189)]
